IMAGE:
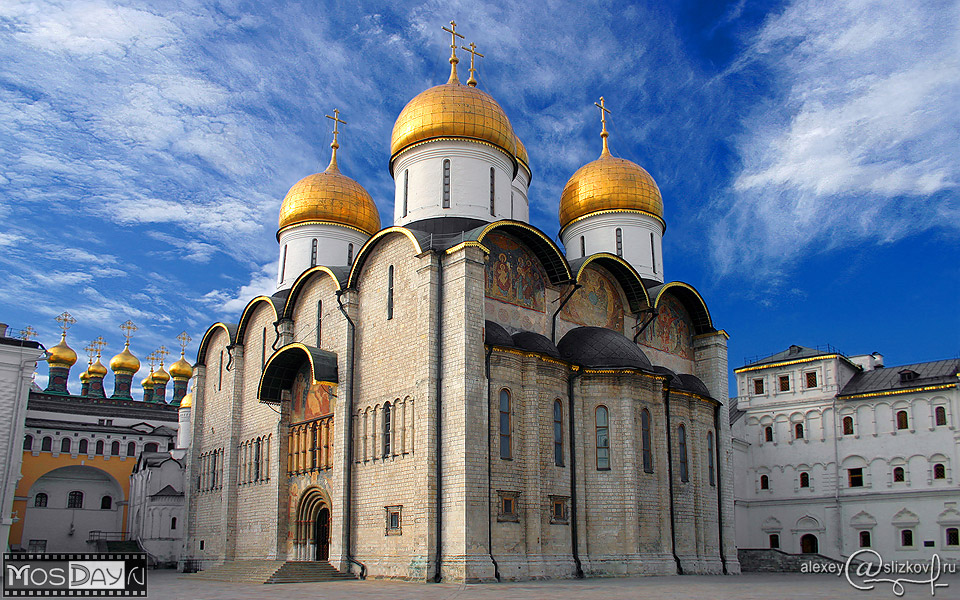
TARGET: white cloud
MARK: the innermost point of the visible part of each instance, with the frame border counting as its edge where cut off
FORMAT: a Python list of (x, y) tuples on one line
[(232, 302)]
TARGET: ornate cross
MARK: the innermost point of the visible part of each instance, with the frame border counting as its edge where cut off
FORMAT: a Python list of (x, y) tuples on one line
[(65, 320), (185, 339), (91, 350), (128, 328), (162, 353), (152, 359), (27, 333), (336, 123), (473, 55), (99, 343), (453, 51), (604, 111)]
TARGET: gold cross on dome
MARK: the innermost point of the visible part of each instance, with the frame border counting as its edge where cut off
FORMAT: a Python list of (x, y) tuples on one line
[(152, 359), (27, 333), (604, 111), (473, 55), (91, 351), (453, 51), (162, 353), (185, 339), (336, 124), (98, 343), (65, 320), (128, 328)]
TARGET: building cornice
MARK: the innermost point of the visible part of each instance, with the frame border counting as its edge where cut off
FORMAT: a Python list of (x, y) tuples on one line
[(925, 388)]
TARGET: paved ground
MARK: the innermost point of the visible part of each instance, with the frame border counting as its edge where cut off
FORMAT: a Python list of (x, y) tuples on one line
[(171, 585)]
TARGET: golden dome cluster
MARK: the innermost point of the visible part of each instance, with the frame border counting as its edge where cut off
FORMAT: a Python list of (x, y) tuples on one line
[(125, 361), (181, 369)]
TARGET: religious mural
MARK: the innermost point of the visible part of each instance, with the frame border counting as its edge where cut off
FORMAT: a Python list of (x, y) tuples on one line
[(311, 400), (513, 274), (597, 303), (672, 330)]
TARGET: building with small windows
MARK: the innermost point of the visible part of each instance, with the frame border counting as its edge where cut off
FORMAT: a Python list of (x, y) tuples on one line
[(838, 453), (453, 397)]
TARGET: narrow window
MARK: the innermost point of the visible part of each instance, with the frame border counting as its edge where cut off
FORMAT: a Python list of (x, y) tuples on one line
[(173, 523), (603, 439), (848, 426), (583, 247), (115, 449), (390, 293), (319, 321), (75, 500), (557, 433), (804, 480), (645, 441), (855, 477), (106, 503), (619, 242), (65, 445), (387, 424), (220, 373), (28, 442), (903, 422), (864, 539), (898, 474), (505, 425), (798, 431), (758, 386), (768, 433), (46, 444), (151, 447), (40, 501), (349, 254), (906, 538), (774, 540), (263, 349), (784, 383), (811, 379), (493, 207), (83, 447), (256, 460), (132, 449), (941, 415), (764, 482), (682, 443), (446, 183), (939, 471), (313, 253), (953, 536), (710, 465), (99, 450), (283, 262), (653, 254), (406, 189)]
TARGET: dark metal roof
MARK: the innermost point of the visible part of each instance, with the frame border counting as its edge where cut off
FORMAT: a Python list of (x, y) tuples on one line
[(937, 372), (553, 261), (735, 413), (534, 342), (691, 300), (283, 366), (626, 276), (664, 371), (598, 347), (691, 383), (168, 490), (102, 407), (794, 352), (496, 335), (441, 233), (32, 423)]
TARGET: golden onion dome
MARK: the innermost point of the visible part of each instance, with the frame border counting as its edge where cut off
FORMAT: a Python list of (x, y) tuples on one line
[(331, 197), (522, 155), (609, 183), (97, 369), (84, 377), (62, 355), (181, 369), (161, 376), (147, 382), (186, 401), (125, 362)]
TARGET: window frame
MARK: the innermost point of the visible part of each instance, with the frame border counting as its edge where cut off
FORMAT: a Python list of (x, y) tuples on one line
[(798, 431), (843, 425), (40, 500), (75, 499), (764, 481), (313, 252), (856, 477), (493, 192), (602, 441), (506, 424), (940, 416), (805, 479), (758, 386), (387, 425), (939, 471), (869, 538), (406, 190), (768, 433), (902, 419), (619, 235), (390, 293), (783, 383), (558, 433), (393, 523), (446, 181), (682, 450), (646, 441), (711, 467), (806, 379)]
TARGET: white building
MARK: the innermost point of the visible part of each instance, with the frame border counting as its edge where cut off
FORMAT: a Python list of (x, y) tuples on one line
[(156, 513), (836, 453)]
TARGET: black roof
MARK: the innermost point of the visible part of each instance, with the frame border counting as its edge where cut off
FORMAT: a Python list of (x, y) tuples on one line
[(102, 407), (534, 342), (794, 352), (599, 347), (691, 383), (168, 490), (937, 372), (496, 335), (32, 423)]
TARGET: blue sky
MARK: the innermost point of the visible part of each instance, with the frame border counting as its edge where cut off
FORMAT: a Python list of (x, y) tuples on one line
[(808, 151)]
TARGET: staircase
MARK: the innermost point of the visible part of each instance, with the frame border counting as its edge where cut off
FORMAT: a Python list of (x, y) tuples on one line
[(770, 560), (271, 571)]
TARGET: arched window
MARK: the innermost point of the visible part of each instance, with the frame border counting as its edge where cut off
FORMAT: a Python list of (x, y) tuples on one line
[(283, 262), (106, 503), (864, 539), (557, 433), (173, 523), (583, 246), (848, 426), (804, 480), (75, 500), (619, 242), (603, 439), (46, 444), (798, 431), (406, 189), (319, 321), (710, 465), (40, 500), (65, 445), (898, 474), (645, 441), (953, 536), (349, 254), (906, 538), (390, 293), (493, 208), (28, 442), (313, 253), (505, 438), (387, 424), (115, 449), (903, 421), (256, 460), (682, 443), (446, 183), (940, 414), (83, 447), (99, 450), (939, 471), (132, 449), (764, 482), (774, 540), (768, 433), (150, 447)]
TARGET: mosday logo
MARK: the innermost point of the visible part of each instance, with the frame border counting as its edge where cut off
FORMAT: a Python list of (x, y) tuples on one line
[(74, 574)]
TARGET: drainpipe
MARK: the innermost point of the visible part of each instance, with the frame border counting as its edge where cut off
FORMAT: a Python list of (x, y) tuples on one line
[(717, 471), (439, 474), (496, 567), (573, 476), (673, 517), (348, 468), (653, 315), (553, 330)]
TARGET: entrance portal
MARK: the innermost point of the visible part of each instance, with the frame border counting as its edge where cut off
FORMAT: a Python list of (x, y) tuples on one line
[(809, 544), (321, 539), (312, 539)]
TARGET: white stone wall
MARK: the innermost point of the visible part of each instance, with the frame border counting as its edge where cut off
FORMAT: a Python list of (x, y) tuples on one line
[(333, 249), (599, 233)]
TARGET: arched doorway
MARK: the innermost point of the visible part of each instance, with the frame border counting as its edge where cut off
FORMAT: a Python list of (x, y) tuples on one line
[(321, 539), (312, 540), (809, 544)]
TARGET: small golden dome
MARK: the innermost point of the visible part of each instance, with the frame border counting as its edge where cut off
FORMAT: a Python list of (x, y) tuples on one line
[(97, 369), (147, 382), (522, 155), (62, 355), (84, 377), (609, 183), (452, 110), (186, 401), (330, 196), (125, 362), (181, 369), (161, 376)]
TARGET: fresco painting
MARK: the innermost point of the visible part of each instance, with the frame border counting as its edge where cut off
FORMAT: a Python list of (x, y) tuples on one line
[(597, 303), (309, 399), (513, 274), (672, 330)]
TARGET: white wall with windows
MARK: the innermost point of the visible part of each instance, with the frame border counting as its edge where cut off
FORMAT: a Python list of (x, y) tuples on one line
[(310, 244), (637, 237)]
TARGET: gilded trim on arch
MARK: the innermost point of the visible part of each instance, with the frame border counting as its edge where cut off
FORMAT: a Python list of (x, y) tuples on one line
[(301, 281), (248, 312), (510, 223), (689, 288), (205, 340), (318, 222), (367, 248), (617, 259)]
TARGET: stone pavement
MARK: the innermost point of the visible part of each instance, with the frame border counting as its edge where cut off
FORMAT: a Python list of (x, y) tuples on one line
[(170, 585)]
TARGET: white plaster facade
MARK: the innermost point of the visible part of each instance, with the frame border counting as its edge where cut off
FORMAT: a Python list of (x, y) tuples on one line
[(156, 515), (636, 237), (310, 244)]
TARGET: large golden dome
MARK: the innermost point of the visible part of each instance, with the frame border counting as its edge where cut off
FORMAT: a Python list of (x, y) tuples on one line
[(332, 197), (62, 355), (125, 362), (181, 369), (161, 376), (609, 183)]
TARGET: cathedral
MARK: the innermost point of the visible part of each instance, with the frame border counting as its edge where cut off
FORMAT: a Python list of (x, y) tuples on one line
[(456, 398)]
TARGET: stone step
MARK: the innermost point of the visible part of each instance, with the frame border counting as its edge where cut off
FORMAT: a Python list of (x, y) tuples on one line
[(304, 572), (248, 571)]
